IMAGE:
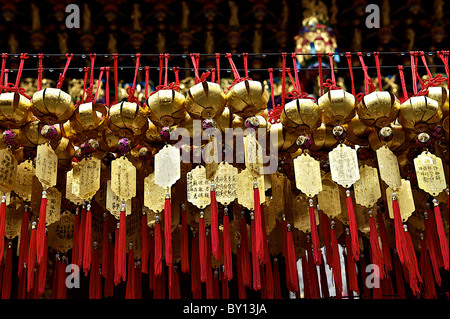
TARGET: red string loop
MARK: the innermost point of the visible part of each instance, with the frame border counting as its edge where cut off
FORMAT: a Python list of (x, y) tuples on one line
[(319, 59), (62, 75), (116, 79), (348, 55), (377, 63), (40, 71), (402, 80), (131, 90), (218, 67)]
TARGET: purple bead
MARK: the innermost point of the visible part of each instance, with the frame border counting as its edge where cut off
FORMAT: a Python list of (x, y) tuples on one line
[(304, 142), (165, 133), (8, 137), (124, 145), (49, 132), (208, 123)]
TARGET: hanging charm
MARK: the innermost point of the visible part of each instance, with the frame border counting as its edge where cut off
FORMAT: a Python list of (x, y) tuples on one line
[(367, 188), (24, 180), (86, 174), (388, 166), (430, 173), (226, 183), (114, 203), (123, 178), (344, 165), (329, 198), (154, 194), (53, 206), (167, 166), (46, 165), (307, 175), (198, 187), (245, 194), (405, 200), (8, 170), (253, 154), (72, 185)]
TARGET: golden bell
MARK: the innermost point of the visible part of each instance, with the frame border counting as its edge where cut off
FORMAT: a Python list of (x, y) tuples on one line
[(247, 98), (167, 107), (440, 94), (338, 107), (30, 135), (419, 113), (153, 133), (205, 100), (286, 141), (301, 116), (65, 152), (378, 109), (15, 109), (399, 142), (127, 119), (52, 105), (89, 119), (323, 138), (357, 132)]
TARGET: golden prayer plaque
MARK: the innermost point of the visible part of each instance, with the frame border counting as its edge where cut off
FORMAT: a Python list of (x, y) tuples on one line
[(123, 178), (87, 175), (70, 186), (114, 203), (405, 200), (24, 180), (430, 173), (46, 165), (198, 187), (253, 154), (307, 175), (329, 198), (389, 169), (225, 182), (154, 195), (167, 166), (367, 188), (53, 206), (60, 234), (8, 169), (13, 222), (344, 165), (245, 189)]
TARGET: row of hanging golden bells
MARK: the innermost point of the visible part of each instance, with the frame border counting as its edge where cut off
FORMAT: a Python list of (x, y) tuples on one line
[(245, 100)]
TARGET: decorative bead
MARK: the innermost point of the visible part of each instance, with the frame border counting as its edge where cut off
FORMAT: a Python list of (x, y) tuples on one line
[(304, 142), (339, 133), (251, 122), (8, 137), (49, 132), (423, 140), (386, 134), (208, 123), (165, 133), (124, 145)]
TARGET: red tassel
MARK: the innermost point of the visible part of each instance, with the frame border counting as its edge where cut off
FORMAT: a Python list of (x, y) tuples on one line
[(413, 268), (323, 281), (245, 262), (209, 276), (307, 287), (202, 247), (158, 248), (353, 280), (23, 247), (353, 227), (144, 247), (215, 245), (286, 264), (216, 285), (81, 232), (122, 248), (95, 288), (375, 252), (325, 223), (35, 292), (435, 245), (31, 260), (196, 287), (269, 280), (138, 280), (87, 241), (255, 260), (399, 278), (292, 260), (62, 288), (441, 234), (184, 242), (22, 284), (42, 274), (116, 256), (129, 292), (425, 271), (432, 250), (258, 223), (40, 233), (400, 241), (225, 290), (2, 227), (105, 250), (384, 242), (336, 260), (108, 267), (160, 287), (174, 293), (55, 276), (227, 257), (151, 261), (312, 273), (242, 294), (314, 234), (168, 231), (76, 235), (7, 273), (276, 279)]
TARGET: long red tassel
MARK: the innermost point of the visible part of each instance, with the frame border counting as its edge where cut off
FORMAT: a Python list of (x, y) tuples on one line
[(216, 285), (196, 287), (175, 291), (225, 290), (122, 247), (158, 249), (425, 271), (399, 278), (227, 256), (259, 237), (432, 248), (202, 247), (105, 250), (168, 231), (441, 233), (384, 242), (400, 241), (325, 223), (81, 232), (285, 252), (31, 257), (108, 268), (95, 289), (160, 287), (413, 268), (138, 280), (292, 260), (76, 234), (116, 256), (40, 233), (55, 276), (23, 247), (184, 242), (7, 272), (129, 291), (62, 288), (353, 227), (336, 260), (269, 280), (375, 252), (312, 273), (255, 261), (245, 262), (242, 294), (307, 286), (323, 281), (151, 261), (42, 273), (314, 233), (353, 280), (209, 276), (144, 247), (215, 244), (2, 227), (435, 238), (276, 279), (87, 241)]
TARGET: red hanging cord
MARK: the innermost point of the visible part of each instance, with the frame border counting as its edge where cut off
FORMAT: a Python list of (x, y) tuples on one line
[(213, 75), (116, 79), (31, 257), (443, 55), (87, 241), (270, 70), (325, 224), (319, 58), (131, 89), (218, 67), (62, 75), (215, 242), (441, 234), (432, 242), (314, 233), (425, 270), (76, 231), (377, 64), (369, 87), (85, 70), (297, 85), (107, 86), (99, 83), (144, 246), (23, 57), (259, 237), (255, 262), (158, 249), (184, 241), (227, 256), (376, 256), (168, 230), (387, 260), (147, 76), (40, 233), (166, 64), (348, 55), (336, 260), (353, 227), (353, 281), (176, 71), (202, 247), (402, 81), (40, 71), (245, 57), (413, 72), (161, 67), (42, 270), (283, 79), (2, 72), (23, 246)]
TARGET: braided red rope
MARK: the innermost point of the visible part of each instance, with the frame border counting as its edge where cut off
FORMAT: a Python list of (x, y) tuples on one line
[(319, 59), (402, 81), (62, 75), (116, 79), (377, 63), (131, 89), (40, 71), (348, 55)]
